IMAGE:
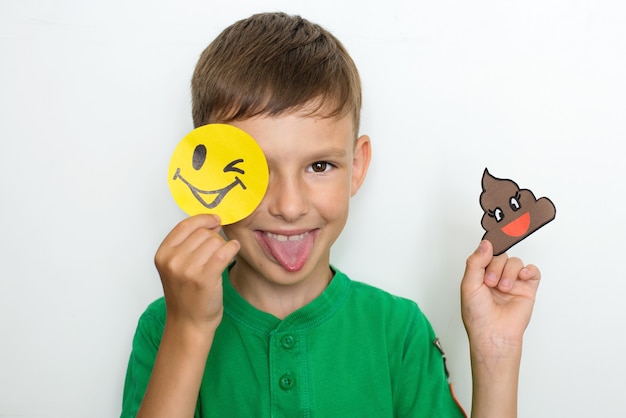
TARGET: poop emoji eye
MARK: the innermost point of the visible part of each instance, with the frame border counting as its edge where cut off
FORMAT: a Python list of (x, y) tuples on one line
[(199, 157), (515, 203), (497, 214)]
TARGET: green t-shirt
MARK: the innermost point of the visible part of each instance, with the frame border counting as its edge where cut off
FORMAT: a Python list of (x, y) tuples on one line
[(355, 351)]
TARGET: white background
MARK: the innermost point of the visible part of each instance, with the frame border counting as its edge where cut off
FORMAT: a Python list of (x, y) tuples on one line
[(94, 95)]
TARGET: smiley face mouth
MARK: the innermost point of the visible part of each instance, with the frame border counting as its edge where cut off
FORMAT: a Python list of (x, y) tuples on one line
[(518, 227), (220, 193)]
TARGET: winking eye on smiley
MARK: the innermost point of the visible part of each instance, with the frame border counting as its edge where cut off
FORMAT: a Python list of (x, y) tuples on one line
[(218, 169), (511, 213)]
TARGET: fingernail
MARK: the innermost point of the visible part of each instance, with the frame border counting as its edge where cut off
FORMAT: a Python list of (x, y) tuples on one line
[(491, 279), (505, 282), (482, 247)]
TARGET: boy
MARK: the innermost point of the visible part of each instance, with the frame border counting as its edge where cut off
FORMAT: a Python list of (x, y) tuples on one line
[(280, 332)]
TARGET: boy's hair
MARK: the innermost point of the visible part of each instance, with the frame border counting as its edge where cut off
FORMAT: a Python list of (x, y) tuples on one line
[(271, 63)]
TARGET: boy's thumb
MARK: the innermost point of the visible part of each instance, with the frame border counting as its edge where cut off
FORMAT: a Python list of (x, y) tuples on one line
[(477, 263)]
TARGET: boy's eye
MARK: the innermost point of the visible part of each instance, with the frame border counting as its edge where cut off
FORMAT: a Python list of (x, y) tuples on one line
[(320, 166)]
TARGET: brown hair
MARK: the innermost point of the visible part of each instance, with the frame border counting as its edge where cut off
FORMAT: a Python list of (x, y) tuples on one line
[(271, 63)]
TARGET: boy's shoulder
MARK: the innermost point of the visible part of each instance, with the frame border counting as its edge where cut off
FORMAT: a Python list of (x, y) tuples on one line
[(155, 312), (363, 289), (372, 298), (387, 316)]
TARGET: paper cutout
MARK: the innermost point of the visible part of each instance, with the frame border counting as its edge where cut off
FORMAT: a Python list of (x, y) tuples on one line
[(218, 169), (511, 213)]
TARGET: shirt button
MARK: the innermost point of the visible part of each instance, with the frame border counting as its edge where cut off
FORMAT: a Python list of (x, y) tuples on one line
[(287, 382), (288, 342)]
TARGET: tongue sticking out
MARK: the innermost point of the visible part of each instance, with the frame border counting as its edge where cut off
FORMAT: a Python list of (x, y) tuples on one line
[(291, 252)]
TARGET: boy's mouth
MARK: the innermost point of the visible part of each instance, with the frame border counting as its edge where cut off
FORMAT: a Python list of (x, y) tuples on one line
[(291, 251)]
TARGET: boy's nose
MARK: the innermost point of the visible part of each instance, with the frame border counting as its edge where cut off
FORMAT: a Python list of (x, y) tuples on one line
[(287, 198)]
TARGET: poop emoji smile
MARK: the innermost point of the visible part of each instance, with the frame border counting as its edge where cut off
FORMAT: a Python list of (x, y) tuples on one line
[(218, 169), (511, 213)]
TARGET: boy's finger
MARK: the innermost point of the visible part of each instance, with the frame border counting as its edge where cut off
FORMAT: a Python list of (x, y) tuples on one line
[(201, 244), (510, 273), (530, 272), (228, 251), (477, 263), (493, 272), (222, 257), (186, 227)]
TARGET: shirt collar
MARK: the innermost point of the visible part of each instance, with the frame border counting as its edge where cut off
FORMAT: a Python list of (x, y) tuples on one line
[(316, 312)]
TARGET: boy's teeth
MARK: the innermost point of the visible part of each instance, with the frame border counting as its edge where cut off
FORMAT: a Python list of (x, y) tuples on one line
[(283, 238)]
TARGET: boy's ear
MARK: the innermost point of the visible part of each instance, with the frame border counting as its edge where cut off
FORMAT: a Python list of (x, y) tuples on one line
[(360, 162)]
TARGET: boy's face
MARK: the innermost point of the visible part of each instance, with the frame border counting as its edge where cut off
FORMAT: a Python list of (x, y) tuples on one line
[(315, 168)]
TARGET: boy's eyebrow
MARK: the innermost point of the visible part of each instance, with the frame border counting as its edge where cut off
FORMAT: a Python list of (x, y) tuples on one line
[(320, 155), (330, 152)]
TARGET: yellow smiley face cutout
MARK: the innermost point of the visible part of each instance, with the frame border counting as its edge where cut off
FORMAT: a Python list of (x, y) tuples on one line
[(218, 169)]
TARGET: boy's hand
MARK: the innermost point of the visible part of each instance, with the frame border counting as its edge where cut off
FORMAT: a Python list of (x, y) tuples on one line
[(497, 298), (190, 262)]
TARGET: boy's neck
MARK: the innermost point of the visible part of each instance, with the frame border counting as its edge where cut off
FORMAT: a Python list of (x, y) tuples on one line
[(277, 299)]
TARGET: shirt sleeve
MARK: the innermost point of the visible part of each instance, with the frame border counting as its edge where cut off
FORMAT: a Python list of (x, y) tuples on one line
[(423, 388), (144, 350)]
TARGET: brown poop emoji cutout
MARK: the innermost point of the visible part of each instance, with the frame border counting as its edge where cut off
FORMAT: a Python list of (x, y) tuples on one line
[(511, 213)]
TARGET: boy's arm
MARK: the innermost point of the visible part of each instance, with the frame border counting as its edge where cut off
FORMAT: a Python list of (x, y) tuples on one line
[(497, 298), (190, 262)]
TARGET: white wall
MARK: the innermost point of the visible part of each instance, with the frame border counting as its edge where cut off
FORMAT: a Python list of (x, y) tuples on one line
[(94, 96)]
